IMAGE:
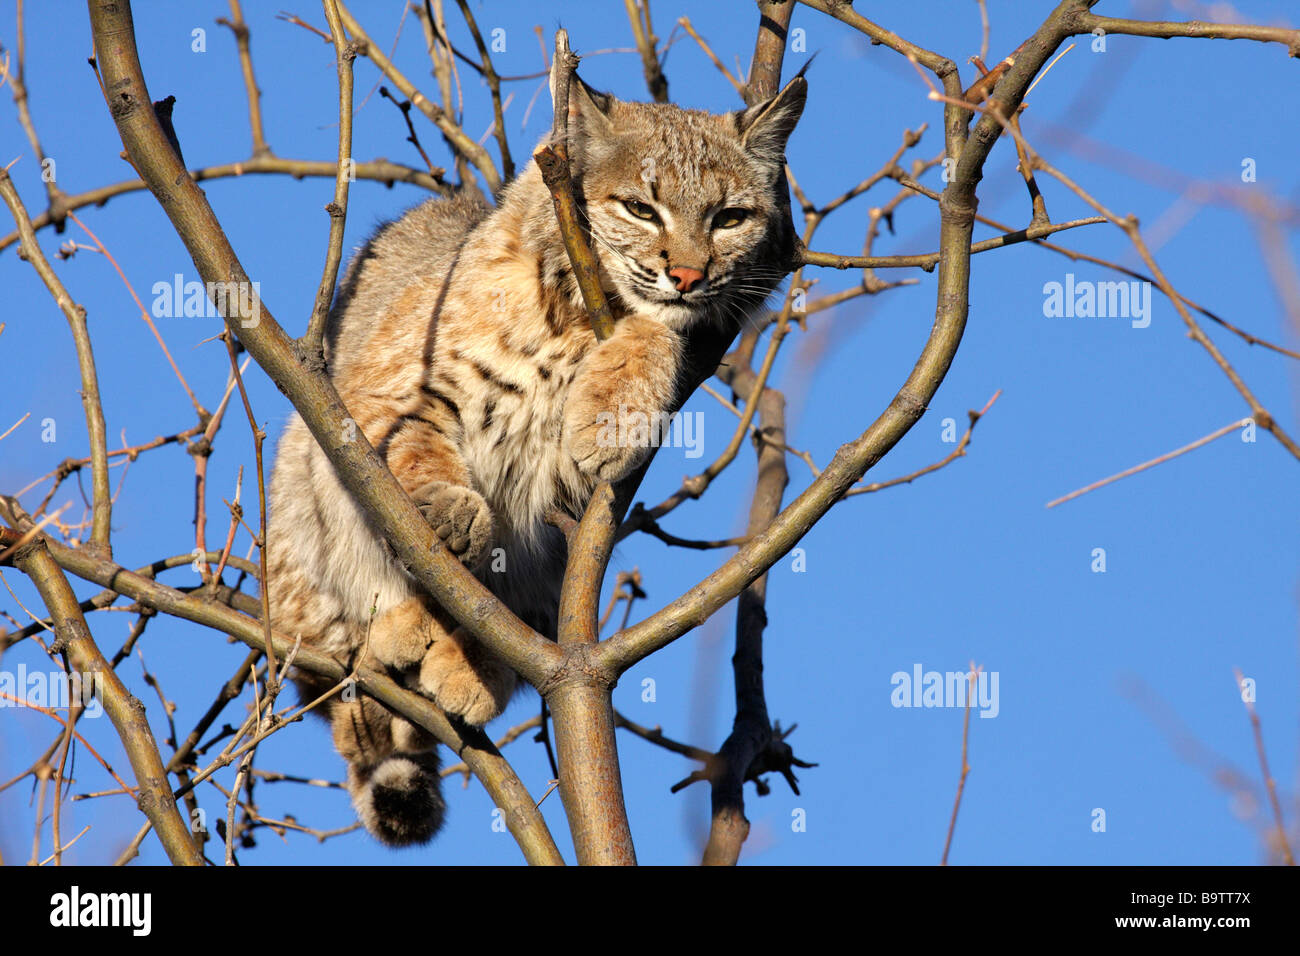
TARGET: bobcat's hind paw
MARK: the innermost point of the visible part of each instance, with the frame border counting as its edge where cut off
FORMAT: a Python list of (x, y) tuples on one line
[(400, 637), (460, 517), (463, 679)]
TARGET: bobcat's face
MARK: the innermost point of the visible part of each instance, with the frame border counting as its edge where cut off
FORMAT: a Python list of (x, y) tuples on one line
[(684, 205)]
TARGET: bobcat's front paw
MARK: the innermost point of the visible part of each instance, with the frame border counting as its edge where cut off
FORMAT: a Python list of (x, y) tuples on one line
[(613, 416), (463, 679), (608, 446), (460, 517)]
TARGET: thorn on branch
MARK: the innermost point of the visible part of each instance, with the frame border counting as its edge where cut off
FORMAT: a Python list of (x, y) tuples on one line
[(163, 110)]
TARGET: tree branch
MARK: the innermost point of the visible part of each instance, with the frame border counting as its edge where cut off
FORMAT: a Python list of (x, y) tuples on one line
[(1091, 23), (494, 88), (311, 342), (929, 260), (751, 730), (638, 15), (471, 744), (125, 711), (461, 142), (102, 501), (240, 29), (379, 170), (578, 696)]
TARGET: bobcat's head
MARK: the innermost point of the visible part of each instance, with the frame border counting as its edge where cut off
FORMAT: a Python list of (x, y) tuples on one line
[(686, 208)]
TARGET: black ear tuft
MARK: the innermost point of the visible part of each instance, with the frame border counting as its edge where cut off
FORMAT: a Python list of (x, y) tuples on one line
[(765, 127)]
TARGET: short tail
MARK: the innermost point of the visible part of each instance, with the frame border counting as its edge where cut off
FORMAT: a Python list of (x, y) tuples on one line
[(392, 770), (399, 799)]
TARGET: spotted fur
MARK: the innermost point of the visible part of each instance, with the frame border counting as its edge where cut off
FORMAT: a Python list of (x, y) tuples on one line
[(461, 347)]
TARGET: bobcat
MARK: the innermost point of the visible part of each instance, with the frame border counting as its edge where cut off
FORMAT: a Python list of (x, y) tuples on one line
[(461, 346)]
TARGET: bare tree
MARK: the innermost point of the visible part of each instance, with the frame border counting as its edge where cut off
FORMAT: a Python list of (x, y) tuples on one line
[(574, 675)]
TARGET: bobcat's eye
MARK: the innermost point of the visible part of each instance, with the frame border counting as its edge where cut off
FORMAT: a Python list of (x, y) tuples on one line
[(730, 218), (640, 210)]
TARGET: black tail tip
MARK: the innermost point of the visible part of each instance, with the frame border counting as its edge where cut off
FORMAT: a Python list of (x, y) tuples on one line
[(400, 800)]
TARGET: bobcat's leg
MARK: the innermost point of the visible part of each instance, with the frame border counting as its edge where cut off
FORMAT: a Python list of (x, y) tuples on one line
[(424, 459), (630, 375), (444, 662)]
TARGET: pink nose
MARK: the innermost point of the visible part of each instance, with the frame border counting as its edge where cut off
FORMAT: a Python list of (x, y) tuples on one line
[(685, 277)]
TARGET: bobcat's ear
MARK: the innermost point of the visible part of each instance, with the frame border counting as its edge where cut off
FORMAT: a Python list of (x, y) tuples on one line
[(765, 127), (588, 108)]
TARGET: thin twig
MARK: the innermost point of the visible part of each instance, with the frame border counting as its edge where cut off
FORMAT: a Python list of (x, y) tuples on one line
[(379, 170), (240, 29), (1270, 785), (494, 89), (259, 435), (337, 208), (475, 153), (144, 314), (952, 456), (90, 396), (685, 23), (965, 762), (1217, 433)]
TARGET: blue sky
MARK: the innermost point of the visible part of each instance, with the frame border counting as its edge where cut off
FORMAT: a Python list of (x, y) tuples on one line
[(966, 564)]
